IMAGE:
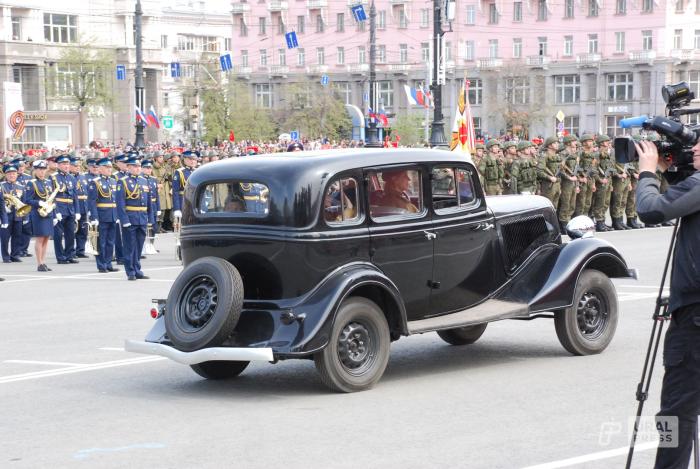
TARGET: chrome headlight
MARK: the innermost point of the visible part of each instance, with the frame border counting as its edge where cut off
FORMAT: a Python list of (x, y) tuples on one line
[(580, 227)]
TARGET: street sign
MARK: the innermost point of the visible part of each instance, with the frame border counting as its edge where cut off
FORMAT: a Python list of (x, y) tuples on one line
[(324, 80), (294, 135), (121, 72), (358, 11), (365, 97), (291, 38), (175, 69), (560, 116), (225, 61), (560, 126), (167, 122)]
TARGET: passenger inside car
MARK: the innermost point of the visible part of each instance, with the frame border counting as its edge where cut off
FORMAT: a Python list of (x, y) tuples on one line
[(335, 209), (396, 184)]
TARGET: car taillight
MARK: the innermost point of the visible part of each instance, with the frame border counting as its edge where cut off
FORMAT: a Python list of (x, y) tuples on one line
[(154, 313)]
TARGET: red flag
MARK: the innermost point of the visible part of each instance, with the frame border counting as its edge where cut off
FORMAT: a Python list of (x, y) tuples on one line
[(231, 138)]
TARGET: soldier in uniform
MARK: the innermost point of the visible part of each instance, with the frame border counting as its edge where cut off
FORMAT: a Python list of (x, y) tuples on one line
[(38, 190), (120, 160), (631, 202), (604, 182), (22, 179), (102, 200), (618, 199), (180, 177), (510, 154), (549, 170), (588, 168), (146, 172), (478, 154), (524, 171), (491, 170), (164, 188), (10, 222), (569, 181), (135, 213), (81, 188), (67, 212)]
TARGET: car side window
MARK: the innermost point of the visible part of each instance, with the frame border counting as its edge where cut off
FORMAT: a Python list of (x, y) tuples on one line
[(340, 201), (395, 192), (452, 189)]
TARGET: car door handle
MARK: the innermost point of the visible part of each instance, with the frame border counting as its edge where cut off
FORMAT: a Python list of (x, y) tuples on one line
[(430, 235), (482, 226)]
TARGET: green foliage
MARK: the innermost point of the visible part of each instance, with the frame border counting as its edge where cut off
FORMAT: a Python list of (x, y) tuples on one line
[(314, 110), (409, 127)]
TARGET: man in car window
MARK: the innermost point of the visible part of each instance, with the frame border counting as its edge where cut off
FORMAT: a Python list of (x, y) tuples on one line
[(396, 184)]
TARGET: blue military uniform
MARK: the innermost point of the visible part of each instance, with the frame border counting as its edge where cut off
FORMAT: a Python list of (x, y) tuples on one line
[(67, 209), (81, 234), (255, 197), (11, 236), (23, 179), (39, 190), (180, 177), (135, 213), (102, 202)]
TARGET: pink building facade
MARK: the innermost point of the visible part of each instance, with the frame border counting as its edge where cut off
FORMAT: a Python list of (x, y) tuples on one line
[(596, 61)]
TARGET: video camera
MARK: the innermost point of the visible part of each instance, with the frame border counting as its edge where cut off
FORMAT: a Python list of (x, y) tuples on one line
[(677, 139)]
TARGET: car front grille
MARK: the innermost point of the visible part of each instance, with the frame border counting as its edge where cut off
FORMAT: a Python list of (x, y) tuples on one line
[(522, 236)]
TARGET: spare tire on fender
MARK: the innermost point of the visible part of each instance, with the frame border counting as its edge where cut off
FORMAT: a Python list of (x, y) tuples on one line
[(204, 304)]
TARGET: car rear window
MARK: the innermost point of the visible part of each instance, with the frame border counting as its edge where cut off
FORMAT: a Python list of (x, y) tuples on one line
[(235, 197), (340, 202)]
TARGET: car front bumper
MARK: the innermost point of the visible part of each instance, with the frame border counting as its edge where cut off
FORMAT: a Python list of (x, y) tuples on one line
[(200, 356)]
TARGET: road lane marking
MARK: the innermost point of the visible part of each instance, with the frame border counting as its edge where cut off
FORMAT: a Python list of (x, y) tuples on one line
[(37, 362), (613, 453), (77, 369), (112, 349), (85, 453)]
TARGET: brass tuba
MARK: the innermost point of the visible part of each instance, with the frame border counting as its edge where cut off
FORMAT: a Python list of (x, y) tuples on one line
[(11, 200), (46, 210)]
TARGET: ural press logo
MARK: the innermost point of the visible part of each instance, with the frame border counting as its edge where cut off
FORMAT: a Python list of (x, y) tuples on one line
[(661, 429), (16, 123)]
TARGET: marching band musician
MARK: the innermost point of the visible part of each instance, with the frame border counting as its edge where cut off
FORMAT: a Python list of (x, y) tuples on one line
[(67, 212), (23, 179), (81, 186), (11, 228), (146, 171), (120, 162), (38, 190), (135, 213), (180, 179), (102, 201)]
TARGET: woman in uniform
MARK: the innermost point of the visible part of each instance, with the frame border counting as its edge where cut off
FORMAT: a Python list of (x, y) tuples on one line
[(38, 191)]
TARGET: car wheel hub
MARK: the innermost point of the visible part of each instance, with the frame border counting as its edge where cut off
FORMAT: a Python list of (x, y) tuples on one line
[(592, 315), (355, 346), (199, 301)]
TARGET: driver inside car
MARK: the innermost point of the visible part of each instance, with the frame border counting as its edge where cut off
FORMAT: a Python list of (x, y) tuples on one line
[(396, 184)]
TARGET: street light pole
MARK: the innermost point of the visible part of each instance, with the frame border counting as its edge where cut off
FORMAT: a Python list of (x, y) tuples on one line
[(437, 131), (371, 131), (138, 79)]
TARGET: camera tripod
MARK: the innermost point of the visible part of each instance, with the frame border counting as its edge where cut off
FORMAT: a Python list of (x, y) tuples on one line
[(661, 315)]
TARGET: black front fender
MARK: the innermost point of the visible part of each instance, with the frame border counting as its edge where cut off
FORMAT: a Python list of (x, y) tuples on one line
[(574, 257)]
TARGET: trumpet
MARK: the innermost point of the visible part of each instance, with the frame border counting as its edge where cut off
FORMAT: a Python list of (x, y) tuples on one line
[(11, 200), (49, 205), (177, 224), (92, 246), (150, 246)]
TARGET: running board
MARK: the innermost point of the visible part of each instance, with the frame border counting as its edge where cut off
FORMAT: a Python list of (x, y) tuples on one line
[(490, 310)]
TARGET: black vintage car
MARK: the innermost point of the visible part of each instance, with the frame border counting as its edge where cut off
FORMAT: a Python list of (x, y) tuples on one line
[(333, 255)]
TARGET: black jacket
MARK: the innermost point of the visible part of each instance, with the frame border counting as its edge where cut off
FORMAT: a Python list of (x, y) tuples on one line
[(681, 200)]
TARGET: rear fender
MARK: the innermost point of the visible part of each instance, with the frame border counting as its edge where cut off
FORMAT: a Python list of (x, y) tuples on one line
[(574, 257)]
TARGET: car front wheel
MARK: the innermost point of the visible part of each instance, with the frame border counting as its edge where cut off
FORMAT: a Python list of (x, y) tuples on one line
[(588, 326), (462, 335), (358, 349), (219, 369)]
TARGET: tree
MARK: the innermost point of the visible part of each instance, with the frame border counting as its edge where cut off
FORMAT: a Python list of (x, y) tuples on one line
[(409, 127), (82, 78)]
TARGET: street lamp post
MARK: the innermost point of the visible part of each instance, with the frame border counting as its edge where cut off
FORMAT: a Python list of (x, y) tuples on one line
[(437, 130), (371, 131), (138, 79)]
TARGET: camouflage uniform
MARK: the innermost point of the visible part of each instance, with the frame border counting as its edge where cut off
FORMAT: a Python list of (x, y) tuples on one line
[(524, 171), (509, 157), (631, 201), (587, 187), (550, 166), (569, 188), (619, 196), (491, 170), (604, 184)]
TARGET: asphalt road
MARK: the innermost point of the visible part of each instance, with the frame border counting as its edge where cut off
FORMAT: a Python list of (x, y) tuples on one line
[(71, 397)]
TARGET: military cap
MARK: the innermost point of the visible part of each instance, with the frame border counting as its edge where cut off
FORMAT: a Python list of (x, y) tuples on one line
[(189, 154), (493, 142), (480, 146), (602, 138), (524, 144), (133, 161), (585, 137), (40, 164), (121, 158), (62, 159), (550, 140), (569, 139), (146, 163), (104, 162), (8, 168)]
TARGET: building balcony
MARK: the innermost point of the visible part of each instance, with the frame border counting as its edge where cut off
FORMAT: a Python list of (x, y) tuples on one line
[(399, 2), (358, 69), (682, 55), (277, 5), (489, 63), (29, 52), (643, 56), (352, 3), (278, 71), (538, 61), (588, 59), (239, 8), (316, 69), (316, 4), (399, 69), (241, 70)]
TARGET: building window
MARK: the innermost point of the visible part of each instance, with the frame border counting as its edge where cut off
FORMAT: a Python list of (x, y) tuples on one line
[(680, 6), (517, 11), (542, 46), (66, 80), (381, 19), (620, 87), (475, 91), (567, 89), (263, 57), (620, 7), (620, 42), (471, 14), (678, 39), (403, 19), (321, 55), (60, 28), (301, 57), (425, 52), (493, 48), (647, 40), (569, 9), (697, 42), (568, 46), (360, 26), (424, 17), (227, 43), (281, 27), (694, 82), (571, 125), (493, 14), (469, 50), (517, 90), (647, 6), (517, 48), (282, 57), (386, 93), (592, 43), (403, 53), (593, 7), (448, 51), (320, 27), (541, 10), (344, 90), (185, 42), (243, 28), (244, 58), (361, 55), (16, 28), (381, 54), (263, 95), (612, 126), (262, 26), (340, 22), (300, 24)]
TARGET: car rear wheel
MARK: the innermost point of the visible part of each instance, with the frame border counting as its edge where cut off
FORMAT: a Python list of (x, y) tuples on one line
[(462, 335), (219, 369), (204, 304), (588, 326), (358, 349)]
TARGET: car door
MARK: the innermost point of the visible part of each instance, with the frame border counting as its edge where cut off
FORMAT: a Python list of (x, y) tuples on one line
[(466, 266), (401, 237)]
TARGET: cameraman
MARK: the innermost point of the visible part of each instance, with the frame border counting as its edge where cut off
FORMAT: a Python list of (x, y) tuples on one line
[(680, 393)]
